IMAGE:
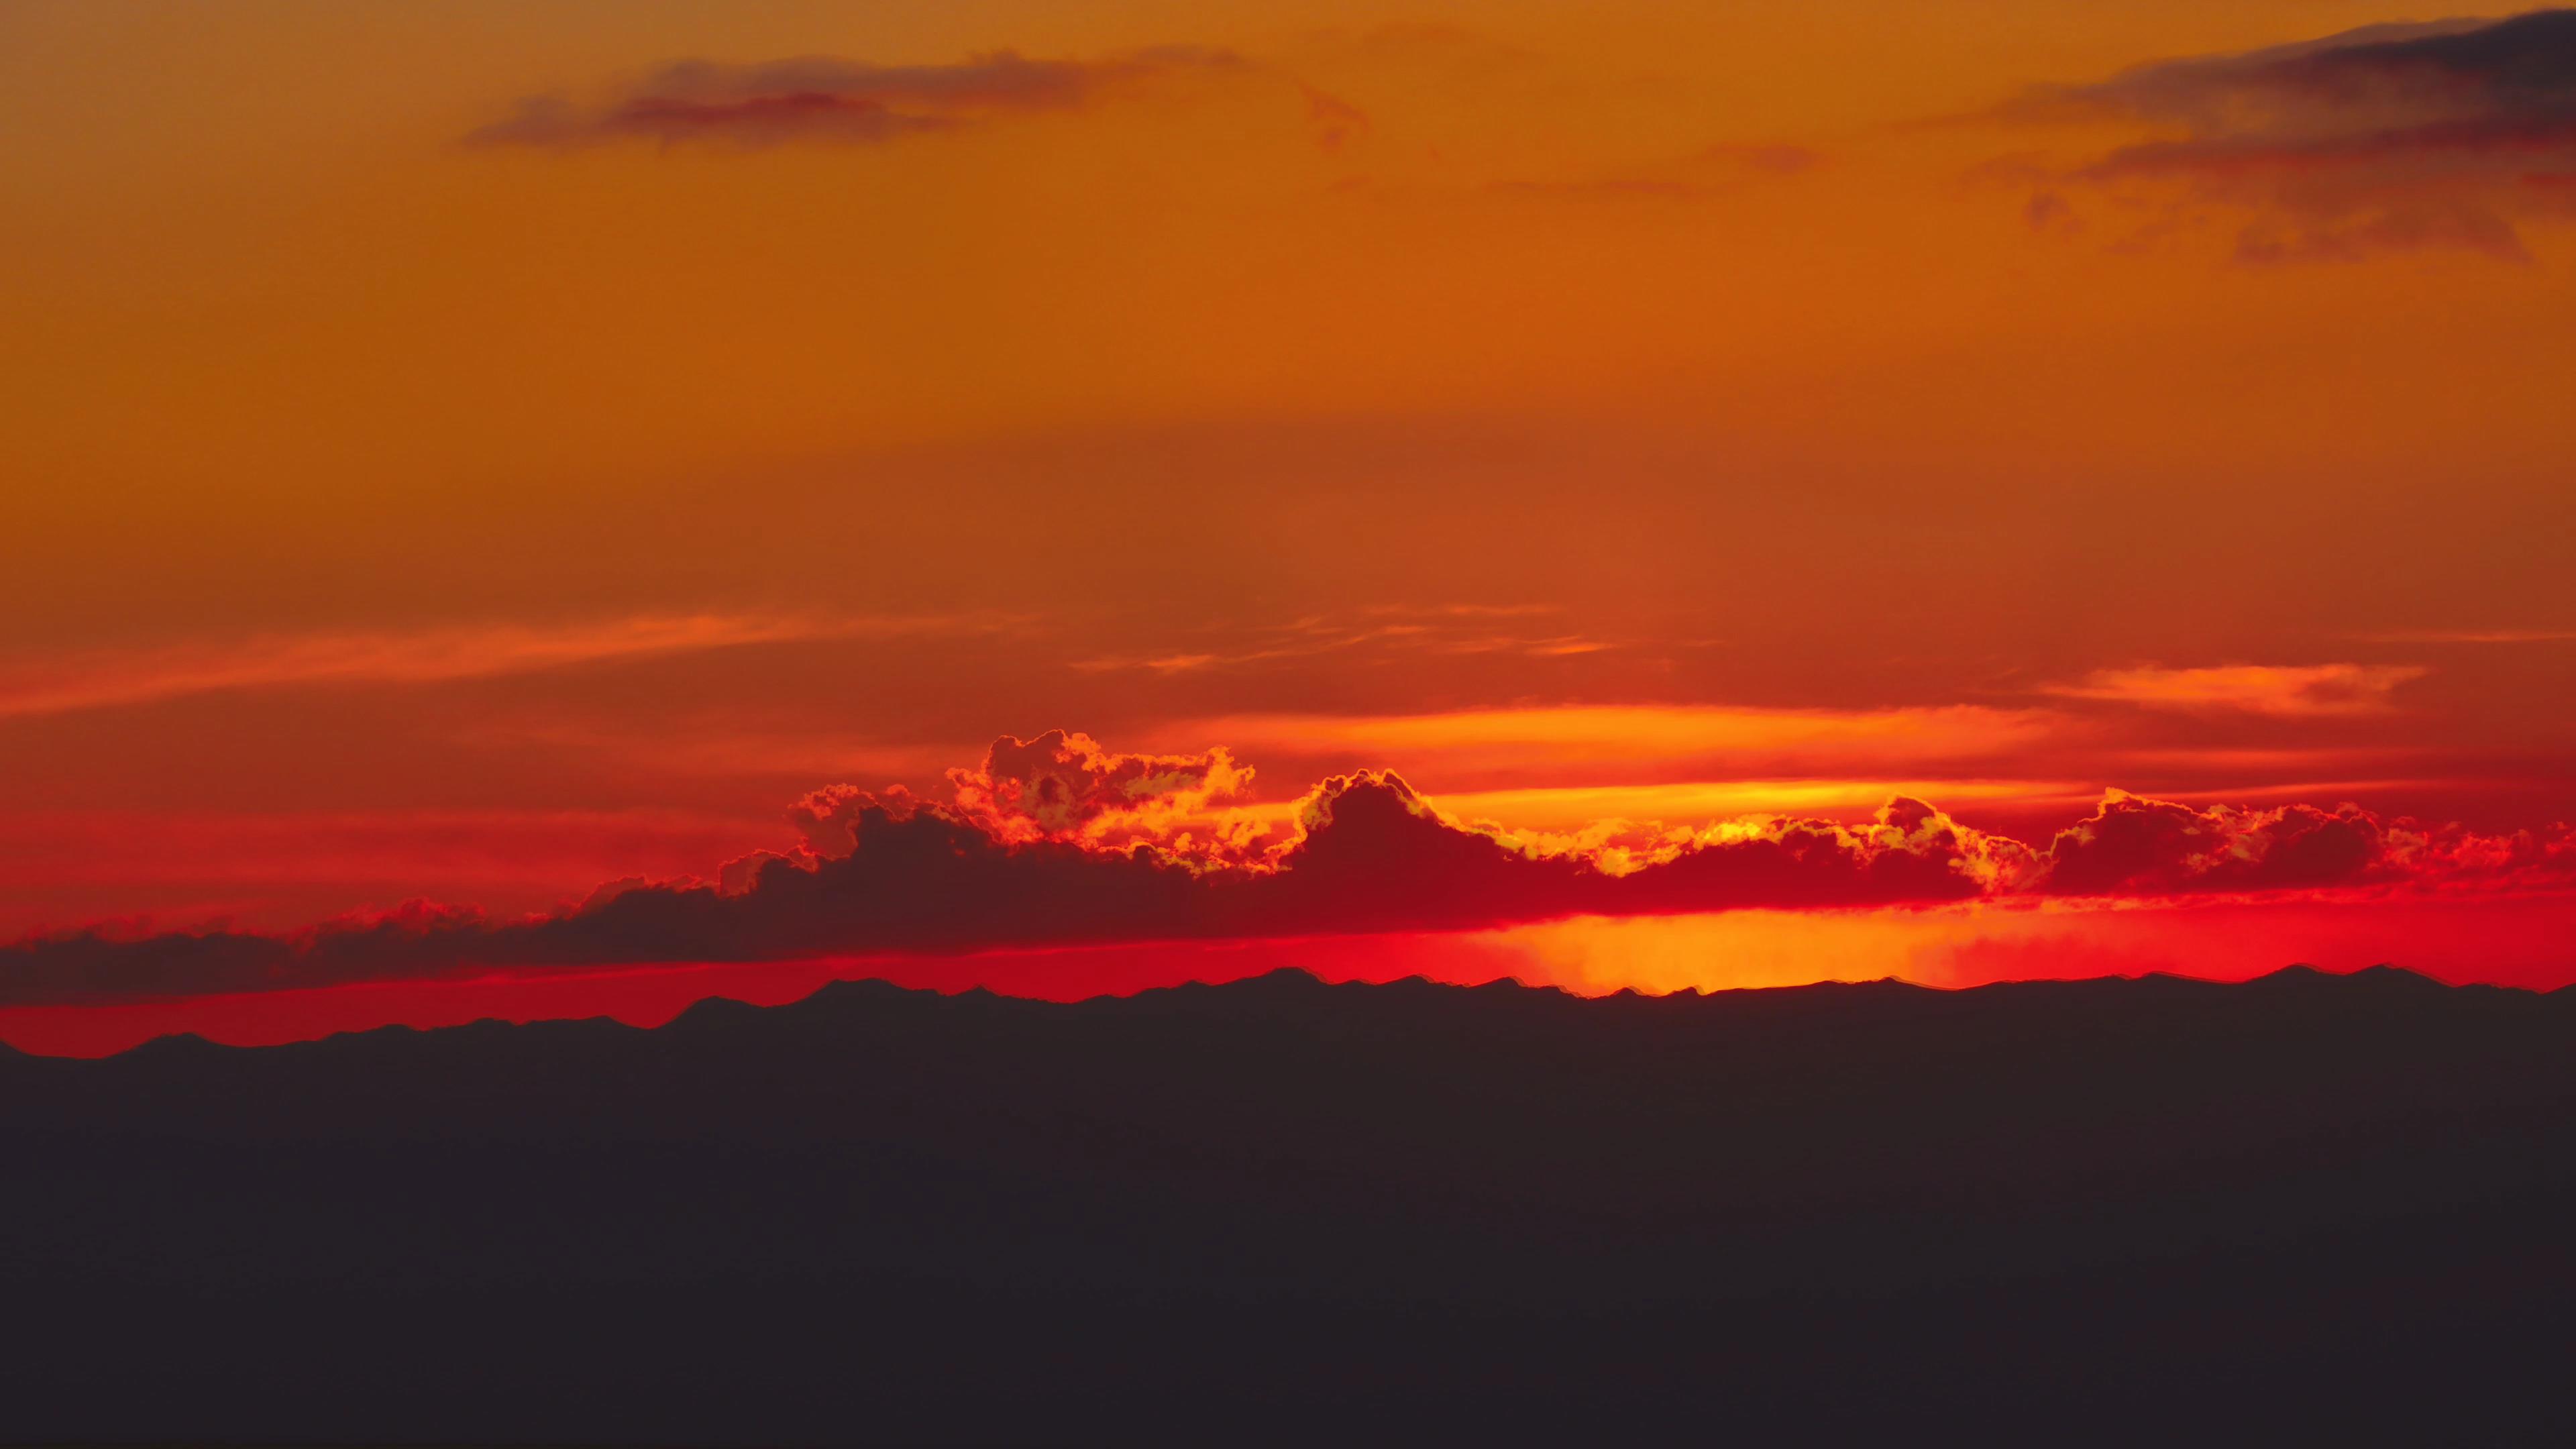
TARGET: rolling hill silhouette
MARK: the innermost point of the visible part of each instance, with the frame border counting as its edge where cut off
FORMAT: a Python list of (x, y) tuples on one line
[(1278, 1210)]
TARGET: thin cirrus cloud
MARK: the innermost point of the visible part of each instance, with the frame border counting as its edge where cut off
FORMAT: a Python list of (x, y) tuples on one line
[(1484, 743), (1459, 629), (1056, 842), (169, 868), (2472, 636), (1389, 638), (831, 100), (1722, 169), (108, 679), (2290, 691), (2447, 134), (1574, 810)]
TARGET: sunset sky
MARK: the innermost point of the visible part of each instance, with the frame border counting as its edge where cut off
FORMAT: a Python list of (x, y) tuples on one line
[(456, 457)]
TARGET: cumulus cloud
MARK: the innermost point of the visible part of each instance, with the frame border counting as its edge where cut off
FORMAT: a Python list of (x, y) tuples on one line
[(2134, 846), (1056, 841), (2290, 691), (2156, 847), (1362, 853), (1064, 786), (2393, 137)]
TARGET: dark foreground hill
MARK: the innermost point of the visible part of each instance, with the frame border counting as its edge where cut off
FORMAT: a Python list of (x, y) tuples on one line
[(2302, 1208)]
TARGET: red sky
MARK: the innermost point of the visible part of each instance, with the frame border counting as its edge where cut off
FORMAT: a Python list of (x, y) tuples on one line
[(469, 455)]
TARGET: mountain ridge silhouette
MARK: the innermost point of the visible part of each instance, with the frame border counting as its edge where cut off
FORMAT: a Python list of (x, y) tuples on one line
[(2296, 974), (1279, 1209)]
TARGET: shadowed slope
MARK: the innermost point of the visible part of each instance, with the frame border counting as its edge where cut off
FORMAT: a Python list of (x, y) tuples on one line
[(1279, 1208)]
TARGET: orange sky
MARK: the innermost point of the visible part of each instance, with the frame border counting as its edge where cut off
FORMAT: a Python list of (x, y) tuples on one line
[(477, 451)]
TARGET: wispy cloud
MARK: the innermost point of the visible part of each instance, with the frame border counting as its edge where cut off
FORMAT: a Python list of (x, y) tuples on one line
[(822, 99), (1154, 663), (2284, 690), (105, 679), (2471, 636), (1465, 629), (826, 98), (1578, 808), (2387, 138), (1645, 739)]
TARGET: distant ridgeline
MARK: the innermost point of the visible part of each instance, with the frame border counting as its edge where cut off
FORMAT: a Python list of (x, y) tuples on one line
[(2090, 1212)]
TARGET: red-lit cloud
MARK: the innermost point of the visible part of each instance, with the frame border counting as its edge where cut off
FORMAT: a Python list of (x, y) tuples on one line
[(2292, 691), (2388, 138), (1568, 738), (2135, 847), (106, 679), (1058, 842)]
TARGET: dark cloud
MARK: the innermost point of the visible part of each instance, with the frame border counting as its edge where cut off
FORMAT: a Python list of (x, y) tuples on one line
[(823, 98), (1022, 866), (1056, 842), (2132, 846), (1369, 855), (2393, 137), (2154, 847)]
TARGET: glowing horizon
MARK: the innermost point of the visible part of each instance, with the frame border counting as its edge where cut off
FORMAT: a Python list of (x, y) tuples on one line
[(2050, 482)]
